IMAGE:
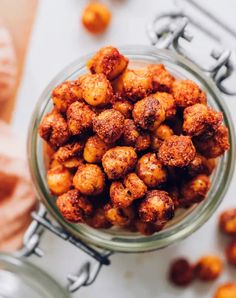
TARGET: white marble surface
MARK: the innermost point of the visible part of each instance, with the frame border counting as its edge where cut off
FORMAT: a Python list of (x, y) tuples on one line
[(58, 39)]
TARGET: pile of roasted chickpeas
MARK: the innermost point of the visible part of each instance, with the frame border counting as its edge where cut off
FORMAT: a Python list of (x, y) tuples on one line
[(130, 146), (208, 268)]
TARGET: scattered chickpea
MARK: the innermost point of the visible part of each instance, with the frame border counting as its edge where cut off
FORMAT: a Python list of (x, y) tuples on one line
[(227, 222), (231, 253), (181, 272), (227, 290), (208, 268)]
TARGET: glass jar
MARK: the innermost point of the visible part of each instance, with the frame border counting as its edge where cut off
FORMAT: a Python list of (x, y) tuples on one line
[(183, 224)]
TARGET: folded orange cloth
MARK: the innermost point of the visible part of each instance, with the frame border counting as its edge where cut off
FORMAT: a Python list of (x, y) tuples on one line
[(17, 199)]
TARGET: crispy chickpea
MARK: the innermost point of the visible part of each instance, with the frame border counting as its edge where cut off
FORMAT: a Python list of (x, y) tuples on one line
[(208, 268), (94, 149), (143, 142), (54, 129), (148, 113), (227, 290), (96, 17), (109, 125), (120, 195), (160, 134), (96, 90), (98, 220), (79, 118), (89, 179), (135, 185), (168, 103), (65, 94), (150, 170), (146, 228), (177, 151), (230, 253), (135, 84), (227, 222), (214, 146), (195, 190), (181, 272), (124, 107), (119, 216), (201, 165), (59, 180), (161, 78), (109, 61), (157, 207), (118, 161), (73, 206), (200, 119), (69, 151), (187, 93), (73, 163)]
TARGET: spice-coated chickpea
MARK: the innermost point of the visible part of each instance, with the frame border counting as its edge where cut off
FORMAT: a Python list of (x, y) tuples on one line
[(231, 253), (96, 17), (168, 103), (118, 161), (120, 195), (98, 219), (124, 107), (73, 206), (181, 272), (94, 149), (146, 228), (227, 290), (135, 185), (160, 134), (208, 268), (59, 180), (227, 222), (68, 151), (162, 80), (109, 61), (119, 216)]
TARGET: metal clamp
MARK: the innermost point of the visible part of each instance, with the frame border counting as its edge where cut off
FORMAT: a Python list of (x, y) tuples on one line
[(168, 35), (87, 273)]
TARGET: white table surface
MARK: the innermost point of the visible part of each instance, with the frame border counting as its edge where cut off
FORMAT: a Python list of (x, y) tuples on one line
[(57, 39)]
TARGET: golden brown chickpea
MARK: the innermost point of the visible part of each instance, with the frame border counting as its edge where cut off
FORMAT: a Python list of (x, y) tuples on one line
[(177, 151), (135, 186), (119, 216), (135, 84), (231, 253), (59, 180), (148, 113), (96, 17), (118, 161), (98, 220), (65, 94), (168, 103), (109, 125), (73, 206), (195, 190), (94, 149), (150, 170), (54, 129), (201, 165), (73, 163), (143, 142), (214, 146), (68, 151), (146, 228), (124, 107), (227, 290), (120, 196), (89, 179), (160, 134), (201, 119), (108, 61), (161, 78), (181, 272), (96, 90), (208, 268), (79, 118), (227, 222), (157, 207), (187, 93)]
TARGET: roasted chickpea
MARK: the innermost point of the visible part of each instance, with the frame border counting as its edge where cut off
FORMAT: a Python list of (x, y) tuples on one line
[(148, 113), (98, 220), (230, 253), (96, 17), (187, 93), (120, 195), (150, 170), (201, 165), (157, 207), (181, 272), (208, 268), (177, 151), (79, 118), (167, 102), (68, 151), (119, 216), (135, 185), (143, 141), (227, 290), (109, 125), (195, 190), (118, 161), (146, 228), (124, 107), (160, 134), (108, 61), (73, 206), (65, 94), (59, 180), (89, 179), (135, 84), (54, 129), (94, 149), (161, 78), (214, 146), (200, 119), (227, 222), (73, 163)]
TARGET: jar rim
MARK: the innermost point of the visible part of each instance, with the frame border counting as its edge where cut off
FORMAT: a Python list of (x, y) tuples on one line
[(169, 235)]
